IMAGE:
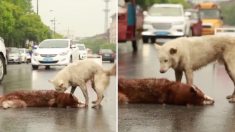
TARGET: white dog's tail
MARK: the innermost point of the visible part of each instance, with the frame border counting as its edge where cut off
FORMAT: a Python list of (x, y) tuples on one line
[(112, 71)]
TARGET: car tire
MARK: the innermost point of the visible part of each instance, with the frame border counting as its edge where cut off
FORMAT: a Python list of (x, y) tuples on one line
[(71, 59), (35, 67), (47, 67), (111, 61), (145, 39), (153, 40), (2, 68)]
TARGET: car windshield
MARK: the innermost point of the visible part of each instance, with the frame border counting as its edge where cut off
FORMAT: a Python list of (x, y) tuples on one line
[(165, 11), (209, 13), (81, 47), (13, 50), (106, 51), (54, 44)]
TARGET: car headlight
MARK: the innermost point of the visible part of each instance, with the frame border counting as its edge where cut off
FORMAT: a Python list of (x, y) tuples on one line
[(178, 23), (64, 53)]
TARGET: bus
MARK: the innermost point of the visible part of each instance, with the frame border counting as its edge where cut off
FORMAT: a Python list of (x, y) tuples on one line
[(210, 14)]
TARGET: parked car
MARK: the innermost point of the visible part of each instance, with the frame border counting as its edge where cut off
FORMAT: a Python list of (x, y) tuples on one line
[(3, 60), (107, 55), (13, 55), (165, 21), (195, 22), (79, 52), (52, 52), (23, 55)]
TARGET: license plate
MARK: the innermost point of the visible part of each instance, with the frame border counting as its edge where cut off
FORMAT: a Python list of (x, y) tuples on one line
[(162, 33), (47, 59), (106, 54)]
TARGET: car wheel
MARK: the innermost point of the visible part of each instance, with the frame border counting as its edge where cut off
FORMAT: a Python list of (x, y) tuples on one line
[(111, 61), (35, 67), (153, 40), (145, 39), (71, 59), (2, 68), (47, 67)]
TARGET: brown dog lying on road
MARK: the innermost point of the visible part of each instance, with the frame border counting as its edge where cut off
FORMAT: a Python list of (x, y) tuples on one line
[(39, 98), (161, 91)]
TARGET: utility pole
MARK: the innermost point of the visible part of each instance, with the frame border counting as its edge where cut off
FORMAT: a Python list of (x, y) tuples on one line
[(53, 21), (37, 7), (106, 11)]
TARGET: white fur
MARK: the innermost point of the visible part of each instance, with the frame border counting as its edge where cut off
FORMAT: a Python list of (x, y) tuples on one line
[(78, 73), (192, 53)]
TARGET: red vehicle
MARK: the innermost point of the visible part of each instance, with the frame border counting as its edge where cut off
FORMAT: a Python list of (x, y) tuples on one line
[(130, 20), (196, 22)]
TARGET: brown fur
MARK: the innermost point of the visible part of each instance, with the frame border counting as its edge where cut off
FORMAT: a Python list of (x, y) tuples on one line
[(39, 98), (160, 91)]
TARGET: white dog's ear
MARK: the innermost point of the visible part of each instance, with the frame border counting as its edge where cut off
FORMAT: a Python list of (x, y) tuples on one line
[(173, 51), (157, 46)]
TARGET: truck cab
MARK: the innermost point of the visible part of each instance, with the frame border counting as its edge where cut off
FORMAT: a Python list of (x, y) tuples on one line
[(210, 14)]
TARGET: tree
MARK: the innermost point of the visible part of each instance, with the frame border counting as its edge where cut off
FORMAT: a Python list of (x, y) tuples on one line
[(19, 23)]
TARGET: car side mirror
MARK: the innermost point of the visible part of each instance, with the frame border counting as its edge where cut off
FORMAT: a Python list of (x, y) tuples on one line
[(221, 17)]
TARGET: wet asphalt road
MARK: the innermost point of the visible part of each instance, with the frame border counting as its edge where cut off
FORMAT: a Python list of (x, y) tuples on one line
[(21, 77), (212, 79)]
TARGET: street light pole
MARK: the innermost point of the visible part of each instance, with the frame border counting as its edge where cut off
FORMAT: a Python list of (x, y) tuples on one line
[(37, 7)]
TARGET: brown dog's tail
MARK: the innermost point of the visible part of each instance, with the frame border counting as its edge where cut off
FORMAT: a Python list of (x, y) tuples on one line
[(112, 71)]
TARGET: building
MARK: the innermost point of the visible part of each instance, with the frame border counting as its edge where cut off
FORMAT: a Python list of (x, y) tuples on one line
[(112, 32)]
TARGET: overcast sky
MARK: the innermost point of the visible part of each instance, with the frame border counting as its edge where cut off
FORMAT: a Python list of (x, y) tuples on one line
[(81, 17)]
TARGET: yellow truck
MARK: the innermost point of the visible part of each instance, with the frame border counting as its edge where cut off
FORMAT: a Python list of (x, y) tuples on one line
[(210, 14)]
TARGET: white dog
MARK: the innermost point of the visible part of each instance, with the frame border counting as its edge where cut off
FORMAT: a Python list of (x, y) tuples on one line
[(189, 54), (78, 73)]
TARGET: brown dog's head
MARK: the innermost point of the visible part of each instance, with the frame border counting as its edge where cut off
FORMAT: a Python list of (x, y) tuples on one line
[(66, 100), (197, 97)]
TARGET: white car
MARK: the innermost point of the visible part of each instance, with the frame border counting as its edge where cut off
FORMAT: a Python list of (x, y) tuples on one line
[(79, 52), (52, 52), (13, 55), (165, 21), (23, 55), (3, 60)]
